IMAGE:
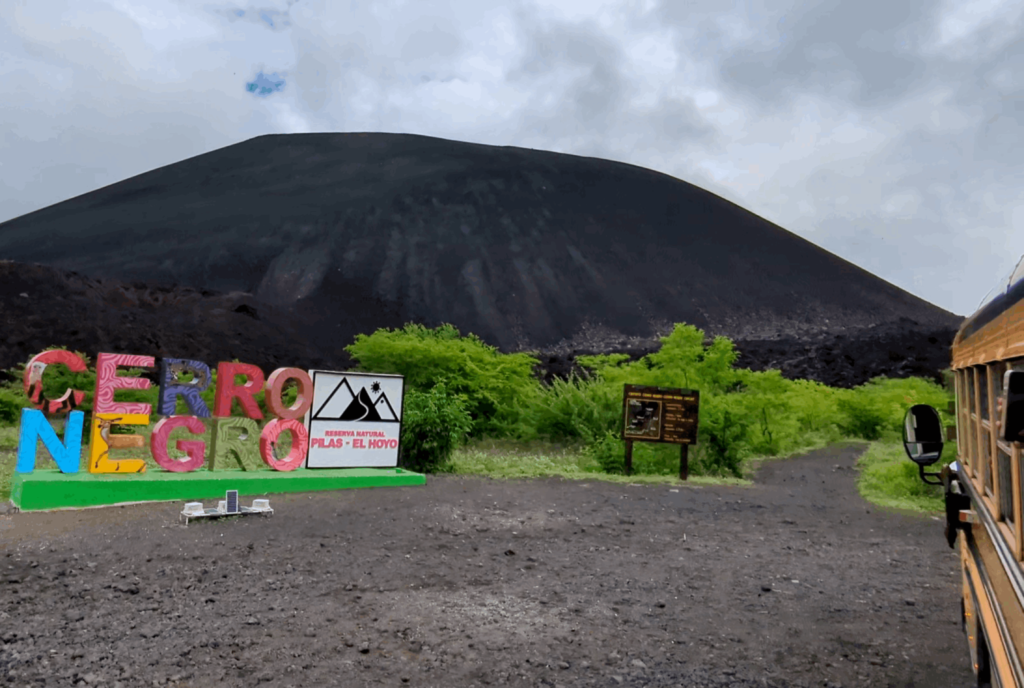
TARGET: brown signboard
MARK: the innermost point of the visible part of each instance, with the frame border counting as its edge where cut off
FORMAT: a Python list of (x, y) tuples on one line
[(660, 414)]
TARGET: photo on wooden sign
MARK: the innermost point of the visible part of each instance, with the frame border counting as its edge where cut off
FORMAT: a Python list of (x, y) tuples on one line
[(643, 419)]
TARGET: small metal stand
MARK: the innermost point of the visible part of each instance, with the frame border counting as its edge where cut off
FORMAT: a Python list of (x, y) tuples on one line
[(226, 507)]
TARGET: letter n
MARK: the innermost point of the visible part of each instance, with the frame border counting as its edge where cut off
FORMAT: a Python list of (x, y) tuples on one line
[(35, 427)]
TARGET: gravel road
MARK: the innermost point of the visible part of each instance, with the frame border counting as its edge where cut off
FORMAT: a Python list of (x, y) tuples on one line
[(795, 581)]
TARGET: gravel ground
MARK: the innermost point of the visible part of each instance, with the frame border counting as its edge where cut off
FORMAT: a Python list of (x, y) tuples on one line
[(795, 581)]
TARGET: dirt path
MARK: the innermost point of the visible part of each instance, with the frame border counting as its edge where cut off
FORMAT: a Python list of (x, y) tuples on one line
[(793, 582)]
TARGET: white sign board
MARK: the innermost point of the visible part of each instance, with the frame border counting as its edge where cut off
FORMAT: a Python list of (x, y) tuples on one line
[(355, 420)]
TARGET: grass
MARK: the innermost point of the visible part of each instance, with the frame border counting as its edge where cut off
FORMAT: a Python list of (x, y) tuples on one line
[(506, 459), (889, 479)]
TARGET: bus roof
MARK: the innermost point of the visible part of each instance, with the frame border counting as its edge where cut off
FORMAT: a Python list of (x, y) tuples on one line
[(990, 333)]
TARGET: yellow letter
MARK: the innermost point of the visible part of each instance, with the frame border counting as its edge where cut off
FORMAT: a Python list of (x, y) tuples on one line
[(101, 442)]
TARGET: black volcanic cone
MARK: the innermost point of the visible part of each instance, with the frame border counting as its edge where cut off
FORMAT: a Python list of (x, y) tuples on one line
[(351, 232), (361, 408)]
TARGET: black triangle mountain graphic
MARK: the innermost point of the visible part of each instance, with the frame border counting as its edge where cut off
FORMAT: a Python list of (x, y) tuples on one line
[(361, 408), (348, 388)]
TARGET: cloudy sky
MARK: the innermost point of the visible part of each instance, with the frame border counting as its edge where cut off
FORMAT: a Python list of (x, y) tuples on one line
[(890, 132)]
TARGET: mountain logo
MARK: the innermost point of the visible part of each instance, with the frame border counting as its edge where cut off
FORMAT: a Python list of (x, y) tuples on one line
[(344, 404)]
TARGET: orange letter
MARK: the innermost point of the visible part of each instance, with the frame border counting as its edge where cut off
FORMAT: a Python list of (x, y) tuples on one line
[(275, 385)]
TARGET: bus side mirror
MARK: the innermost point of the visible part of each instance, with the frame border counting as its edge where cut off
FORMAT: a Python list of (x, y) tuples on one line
[(1012, 414), (922, 435)]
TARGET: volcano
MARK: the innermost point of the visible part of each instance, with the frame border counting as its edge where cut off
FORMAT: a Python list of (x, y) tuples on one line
[(361, 408), (346, 233)]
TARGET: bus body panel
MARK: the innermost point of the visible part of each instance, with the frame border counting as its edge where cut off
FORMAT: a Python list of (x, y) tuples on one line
[(988, 343), (990, 614)]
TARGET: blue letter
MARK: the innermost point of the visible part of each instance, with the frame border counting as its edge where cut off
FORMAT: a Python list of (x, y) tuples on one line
[(170, 388), (35, 427)]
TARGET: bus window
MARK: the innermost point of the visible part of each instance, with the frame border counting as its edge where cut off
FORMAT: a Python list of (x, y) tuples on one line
[(981, 372), (972, 398), (966, 428), (1004, 470), (998, 369)]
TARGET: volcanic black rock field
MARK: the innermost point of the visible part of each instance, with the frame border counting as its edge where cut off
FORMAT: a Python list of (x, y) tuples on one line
[(280, 249)]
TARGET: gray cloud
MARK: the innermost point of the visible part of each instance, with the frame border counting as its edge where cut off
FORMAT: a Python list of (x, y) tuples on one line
[(887, 131), (862, 52)]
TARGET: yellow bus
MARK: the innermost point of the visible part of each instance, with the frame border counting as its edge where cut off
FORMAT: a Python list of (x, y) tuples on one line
[(983, 486)]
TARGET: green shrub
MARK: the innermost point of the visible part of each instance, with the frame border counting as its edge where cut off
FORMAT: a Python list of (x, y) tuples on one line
[(8, 438), (609, 451), (877, 408), (574, 409), (862, 416), (434, 424), (11, 403), (723, 432), (498, 388)]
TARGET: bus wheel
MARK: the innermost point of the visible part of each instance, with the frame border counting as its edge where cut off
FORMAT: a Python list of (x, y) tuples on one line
[(984, 668), (963, 616)]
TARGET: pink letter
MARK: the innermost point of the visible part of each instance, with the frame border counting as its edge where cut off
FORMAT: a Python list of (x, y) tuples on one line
[(227, 390), (107, 381), (196, 449), (300, 440)]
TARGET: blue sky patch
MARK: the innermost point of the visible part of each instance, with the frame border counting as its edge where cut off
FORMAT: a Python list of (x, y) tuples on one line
[(265, 84)]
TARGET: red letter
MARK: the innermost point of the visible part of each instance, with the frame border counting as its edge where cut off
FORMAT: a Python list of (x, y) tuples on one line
[(300, 439), (275, 385), (196, 449), (227, 390), (33, 381), (107, 381)]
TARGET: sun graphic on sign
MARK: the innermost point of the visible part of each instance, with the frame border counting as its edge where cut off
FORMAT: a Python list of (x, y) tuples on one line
[(375, 387)]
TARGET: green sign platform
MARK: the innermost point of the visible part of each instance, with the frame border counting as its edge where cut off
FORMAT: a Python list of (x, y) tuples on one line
[(51, 489)]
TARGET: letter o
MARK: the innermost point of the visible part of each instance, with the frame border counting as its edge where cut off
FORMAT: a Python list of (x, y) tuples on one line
[(300, 440), (275, 387)]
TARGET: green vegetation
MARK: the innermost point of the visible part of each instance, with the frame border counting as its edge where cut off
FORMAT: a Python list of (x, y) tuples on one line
[(889, 479), (473, 410), (539, 459), (436, 422)]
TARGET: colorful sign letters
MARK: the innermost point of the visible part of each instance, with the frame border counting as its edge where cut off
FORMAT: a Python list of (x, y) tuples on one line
[(236, 441)]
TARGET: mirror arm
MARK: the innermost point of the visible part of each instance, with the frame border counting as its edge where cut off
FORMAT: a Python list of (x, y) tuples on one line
[(925, 476)]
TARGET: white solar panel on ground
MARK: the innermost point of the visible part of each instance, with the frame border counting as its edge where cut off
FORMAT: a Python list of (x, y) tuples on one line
[(226, 507)]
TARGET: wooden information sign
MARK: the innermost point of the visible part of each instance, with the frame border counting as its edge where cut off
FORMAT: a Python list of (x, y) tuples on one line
[(660, 414)]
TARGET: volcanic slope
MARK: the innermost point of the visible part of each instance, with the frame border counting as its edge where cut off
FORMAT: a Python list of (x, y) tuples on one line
[(525, 248)]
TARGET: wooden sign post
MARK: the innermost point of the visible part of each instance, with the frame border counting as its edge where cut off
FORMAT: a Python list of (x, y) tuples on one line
[(660, 414)]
